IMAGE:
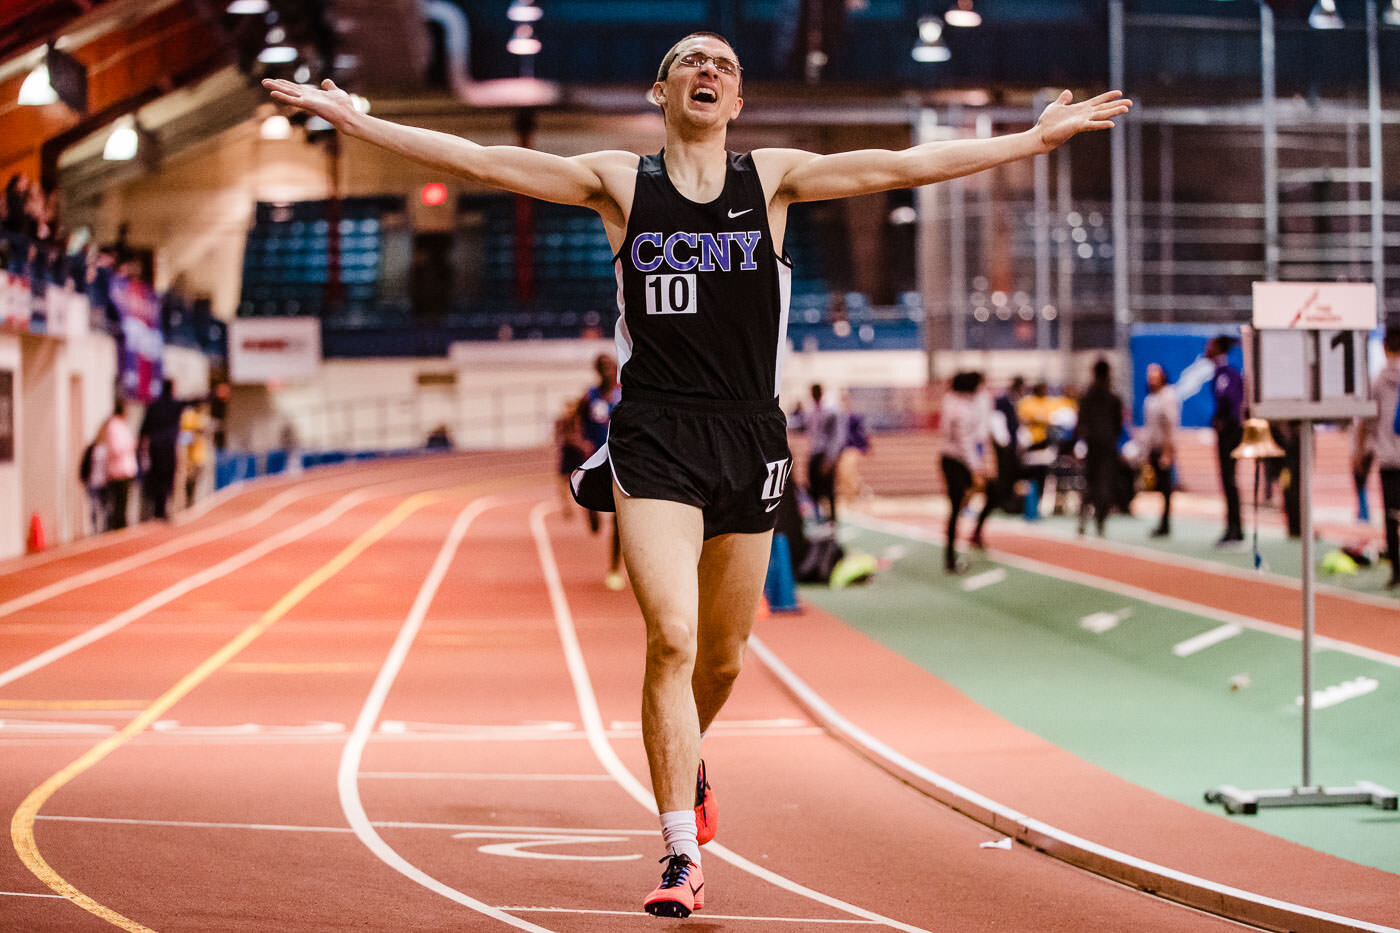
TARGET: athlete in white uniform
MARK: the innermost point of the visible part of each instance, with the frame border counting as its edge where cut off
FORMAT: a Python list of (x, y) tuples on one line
[(698, 593)]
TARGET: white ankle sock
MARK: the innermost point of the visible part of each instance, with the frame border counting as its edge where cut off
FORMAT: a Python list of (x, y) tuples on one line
[(678, 833)]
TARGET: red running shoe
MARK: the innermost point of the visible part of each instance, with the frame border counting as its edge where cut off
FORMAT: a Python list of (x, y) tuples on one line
[(682, 889), (706, 810)]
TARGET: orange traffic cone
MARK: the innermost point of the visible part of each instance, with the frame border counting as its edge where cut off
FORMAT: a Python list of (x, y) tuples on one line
[(36, 534)]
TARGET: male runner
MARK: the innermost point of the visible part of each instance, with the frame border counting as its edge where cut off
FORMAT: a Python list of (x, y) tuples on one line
[(697, 453)]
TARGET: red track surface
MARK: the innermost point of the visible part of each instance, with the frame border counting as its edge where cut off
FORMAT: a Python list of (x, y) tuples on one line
[(479, 742)]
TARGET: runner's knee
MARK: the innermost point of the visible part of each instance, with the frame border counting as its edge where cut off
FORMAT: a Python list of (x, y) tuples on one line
[(671, 645)]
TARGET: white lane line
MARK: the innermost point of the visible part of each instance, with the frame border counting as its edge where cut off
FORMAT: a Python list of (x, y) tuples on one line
[(983, 580), (383, 824), (704, 915), (597, 740), (1063, 845), (1340, 693), (27, 894), (141, 558), (346, 783), (1184, 649), (188, 584), (901, 530), (464, 776)]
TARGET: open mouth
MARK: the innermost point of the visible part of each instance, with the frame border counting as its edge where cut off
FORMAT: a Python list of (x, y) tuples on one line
[(704, 95)]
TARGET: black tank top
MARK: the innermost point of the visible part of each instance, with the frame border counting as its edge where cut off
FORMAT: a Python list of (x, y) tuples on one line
[(702, 294)]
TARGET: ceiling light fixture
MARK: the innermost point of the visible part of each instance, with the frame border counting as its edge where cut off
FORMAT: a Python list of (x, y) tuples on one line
[(1324, 15), (930, 47), (523, 41), (247, 7), (963, 15), (37, 90), (524, 11), (276, 127), (277, 55), (122, 144)]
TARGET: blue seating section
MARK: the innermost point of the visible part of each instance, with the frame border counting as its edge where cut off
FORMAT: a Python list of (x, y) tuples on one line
[(575, 290), (289, 252)]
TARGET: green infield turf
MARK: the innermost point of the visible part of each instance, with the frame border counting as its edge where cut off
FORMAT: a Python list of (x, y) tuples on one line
[(1096, 673)]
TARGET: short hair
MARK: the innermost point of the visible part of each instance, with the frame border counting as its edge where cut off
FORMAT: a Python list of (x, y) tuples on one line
[(966, 382), (1392, 339), (1101, 370), (665, 70)]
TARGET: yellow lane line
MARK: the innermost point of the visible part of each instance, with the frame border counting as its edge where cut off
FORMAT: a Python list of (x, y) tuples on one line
[(22, 825)]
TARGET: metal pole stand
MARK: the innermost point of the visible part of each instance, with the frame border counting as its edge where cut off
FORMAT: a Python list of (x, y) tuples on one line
[(1306, 794), (1248, 802)]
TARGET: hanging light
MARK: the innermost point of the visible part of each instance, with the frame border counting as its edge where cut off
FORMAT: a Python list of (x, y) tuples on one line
[(962, 14), (930, 47), (277, 55), (276, 127), (1324, 15), (123, 143), (1391, 16), (523, 41), (36, 91), (524, 11), (247, 7)]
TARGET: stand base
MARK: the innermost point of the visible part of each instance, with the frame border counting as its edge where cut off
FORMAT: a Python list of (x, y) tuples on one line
[(1249, 801)]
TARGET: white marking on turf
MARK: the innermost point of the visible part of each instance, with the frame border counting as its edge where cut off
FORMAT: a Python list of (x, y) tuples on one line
[(1132, 592), (597, 739), (1184, 649), (1340, 693), (1100, 622), (982, 580)]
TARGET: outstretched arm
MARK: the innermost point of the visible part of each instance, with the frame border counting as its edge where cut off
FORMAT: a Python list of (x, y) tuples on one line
[(804, 176), (576, 180)]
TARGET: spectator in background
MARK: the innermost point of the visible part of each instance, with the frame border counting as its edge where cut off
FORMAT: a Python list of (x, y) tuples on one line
[(1099, 427), (1003, 429), (1364, 455), (92, 470), (1228, 421), (826, 437), (194, 444), (573, 450), (848, 482), (1161, 415), (160, 436), (595, 415), (18, 217), (1382, 436), (1038, 442), (961, 430), (122, 465)]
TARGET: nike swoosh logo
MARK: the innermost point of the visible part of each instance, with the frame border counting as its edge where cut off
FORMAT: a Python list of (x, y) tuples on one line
[(771, 507), (733, 214)]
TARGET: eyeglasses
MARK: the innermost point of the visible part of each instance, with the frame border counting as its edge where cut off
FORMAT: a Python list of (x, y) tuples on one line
[(727, 66)]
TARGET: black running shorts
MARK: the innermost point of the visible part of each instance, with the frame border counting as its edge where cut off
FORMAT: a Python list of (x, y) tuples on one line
[(728, 459)]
